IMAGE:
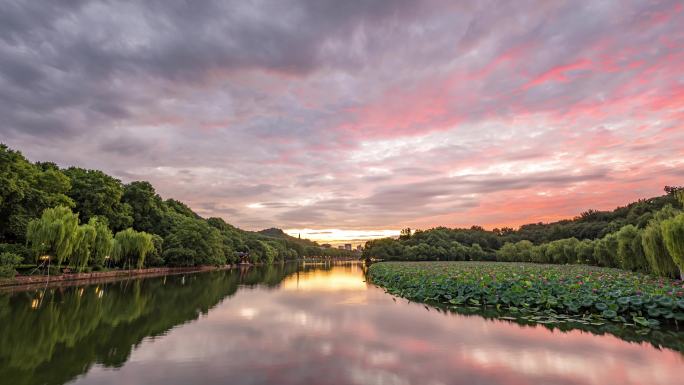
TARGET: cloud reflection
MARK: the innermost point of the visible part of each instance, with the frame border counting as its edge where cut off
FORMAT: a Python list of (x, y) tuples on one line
[(305, 337), (320, 280)]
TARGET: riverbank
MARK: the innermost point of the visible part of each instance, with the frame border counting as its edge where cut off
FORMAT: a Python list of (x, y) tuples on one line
[(29, 282), (538, 293)]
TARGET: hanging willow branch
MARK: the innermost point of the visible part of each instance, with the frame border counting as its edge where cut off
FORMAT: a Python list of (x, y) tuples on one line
[(102, 245), (131, 246), (53, 234)]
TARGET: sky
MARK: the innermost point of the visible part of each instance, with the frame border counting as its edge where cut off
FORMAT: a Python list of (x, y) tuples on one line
[(365, 116)]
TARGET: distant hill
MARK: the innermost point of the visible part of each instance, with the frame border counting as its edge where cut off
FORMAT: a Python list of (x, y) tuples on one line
[(280, 234)]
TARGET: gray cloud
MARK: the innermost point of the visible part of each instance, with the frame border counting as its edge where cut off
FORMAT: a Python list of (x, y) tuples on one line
[(362, 110)]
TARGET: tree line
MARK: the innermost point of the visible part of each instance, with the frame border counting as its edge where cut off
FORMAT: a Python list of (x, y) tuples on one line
[(90, 220), (646, 236)]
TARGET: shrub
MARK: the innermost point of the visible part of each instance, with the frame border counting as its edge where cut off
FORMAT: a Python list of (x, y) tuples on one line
[(8, 264), (15, 248)]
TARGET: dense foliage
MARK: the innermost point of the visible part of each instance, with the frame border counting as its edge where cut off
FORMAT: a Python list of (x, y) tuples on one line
[(646, 236), (542, 293), (69, 216), (8, 264)]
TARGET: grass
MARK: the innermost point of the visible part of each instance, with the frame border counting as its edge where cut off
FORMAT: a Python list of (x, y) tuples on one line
[(538, 293)]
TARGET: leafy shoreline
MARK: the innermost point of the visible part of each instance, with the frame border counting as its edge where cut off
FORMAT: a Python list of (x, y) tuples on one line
[(546, 294), (89, 221), (646, 236)]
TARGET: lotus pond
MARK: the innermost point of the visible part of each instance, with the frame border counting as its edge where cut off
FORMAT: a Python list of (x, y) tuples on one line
[(534, 293)]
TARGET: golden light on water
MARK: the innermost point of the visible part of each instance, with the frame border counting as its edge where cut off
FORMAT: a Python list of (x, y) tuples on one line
[(34, 303), (334, 280)]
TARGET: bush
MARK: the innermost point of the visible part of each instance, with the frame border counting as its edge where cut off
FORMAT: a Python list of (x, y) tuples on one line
[(15, 248), (8, 264), (179, 256)]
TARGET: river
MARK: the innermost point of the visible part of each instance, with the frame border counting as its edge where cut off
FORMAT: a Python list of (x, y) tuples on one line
[(293, 324)]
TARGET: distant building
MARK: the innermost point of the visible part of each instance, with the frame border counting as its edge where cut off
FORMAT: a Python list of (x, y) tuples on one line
[(340, 247), (347, 246), (326, 245)]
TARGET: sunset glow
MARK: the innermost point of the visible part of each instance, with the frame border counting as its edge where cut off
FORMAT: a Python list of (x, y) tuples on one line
[(334, 280), (360, 117), (336, 236)]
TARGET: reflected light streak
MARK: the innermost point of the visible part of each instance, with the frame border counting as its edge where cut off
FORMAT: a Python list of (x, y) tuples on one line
[(323, 281)]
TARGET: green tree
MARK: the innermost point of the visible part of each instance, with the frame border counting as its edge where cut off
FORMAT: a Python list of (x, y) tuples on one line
[(585, 252), (555, 252), (8, 264), (539, 254), (96, 193), (605, 251), (270, 253), (131, 246), (458, 251), (630, 253), (525, 249), (193, 242), (476, 253), (515, 252), (506, 253), (84, 239), (673, 238), (405, 234), (26, 190), (156, 256), (569, 248), (232, 239), (103, 242), (53, 234), (385, 249), (657, 255), (147, 208)]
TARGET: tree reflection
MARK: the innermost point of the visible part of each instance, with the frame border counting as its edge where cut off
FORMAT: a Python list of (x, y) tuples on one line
[(51, 336)]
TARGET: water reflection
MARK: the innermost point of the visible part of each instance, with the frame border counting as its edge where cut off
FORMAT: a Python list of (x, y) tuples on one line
[(321, 279), (281, 325)]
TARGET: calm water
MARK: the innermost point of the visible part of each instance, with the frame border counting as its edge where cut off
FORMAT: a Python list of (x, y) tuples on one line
[(318, 324)]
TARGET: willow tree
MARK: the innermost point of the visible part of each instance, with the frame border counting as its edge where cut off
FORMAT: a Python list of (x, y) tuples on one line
[(102, 244), (131, 246), (605, 250), (84, 240), (630, 254), (673, 238), (53, 234), (657, 255)]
